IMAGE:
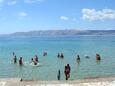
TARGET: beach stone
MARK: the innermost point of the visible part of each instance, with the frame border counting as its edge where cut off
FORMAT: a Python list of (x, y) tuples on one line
[(2, 83)]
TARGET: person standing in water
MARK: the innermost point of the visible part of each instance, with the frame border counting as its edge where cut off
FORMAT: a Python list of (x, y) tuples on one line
[(58, 55), (98, 57), (20, 61), (78, 58), (66, 71), (59, 75), (15, 59), (13, 54), (69, 68), (62, 55), (45, 53)]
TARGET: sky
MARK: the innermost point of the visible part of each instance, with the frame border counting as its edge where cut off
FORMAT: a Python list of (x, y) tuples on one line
[(31, 15)]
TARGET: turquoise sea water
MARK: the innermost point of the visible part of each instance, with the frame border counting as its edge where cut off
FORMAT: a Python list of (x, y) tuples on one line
[(71, 46)]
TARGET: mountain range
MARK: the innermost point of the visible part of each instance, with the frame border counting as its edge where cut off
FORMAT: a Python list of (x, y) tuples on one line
[(63, 32)]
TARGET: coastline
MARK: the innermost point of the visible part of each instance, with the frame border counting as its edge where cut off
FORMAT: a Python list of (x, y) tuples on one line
[(104, 81)]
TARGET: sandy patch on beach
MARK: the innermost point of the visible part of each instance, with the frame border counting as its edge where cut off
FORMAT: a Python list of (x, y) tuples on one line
[(112, 83), (108, 81)]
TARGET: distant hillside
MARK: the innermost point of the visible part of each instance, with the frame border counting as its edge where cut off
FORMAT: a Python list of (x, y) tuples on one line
[(64, 32)]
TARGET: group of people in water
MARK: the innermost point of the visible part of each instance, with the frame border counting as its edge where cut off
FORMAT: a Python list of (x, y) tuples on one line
[(67, 69), (15, 59), (34, 60), (60, 55), (66, 72), (98, 57)]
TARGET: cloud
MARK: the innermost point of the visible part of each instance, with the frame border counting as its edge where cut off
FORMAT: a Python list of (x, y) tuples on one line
[(64, 18), (22, 14), (8, 2), (92, 14), (13, 2), (32, 1)]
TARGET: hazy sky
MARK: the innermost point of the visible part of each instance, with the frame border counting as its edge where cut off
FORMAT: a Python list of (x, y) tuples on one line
[(27, 15)]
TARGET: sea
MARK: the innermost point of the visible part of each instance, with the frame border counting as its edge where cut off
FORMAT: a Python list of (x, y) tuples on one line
[(70, 46)]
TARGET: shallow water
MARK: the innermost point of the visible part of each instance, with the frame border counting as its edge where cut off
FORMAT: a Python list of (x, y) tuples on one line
[(71, 46)]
